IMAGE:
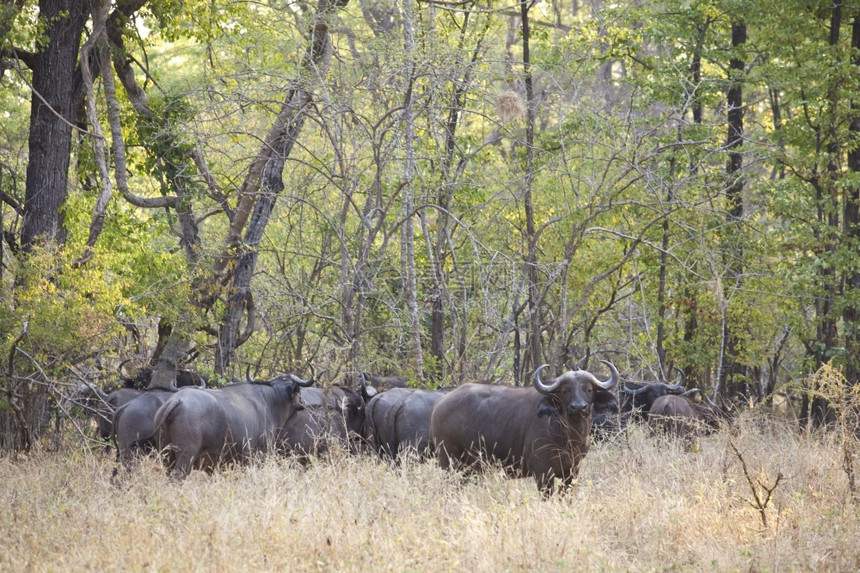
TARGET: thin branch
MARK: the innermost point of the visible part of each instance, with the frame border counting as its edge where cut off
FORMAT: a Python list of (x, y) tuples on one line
[(212, 185)]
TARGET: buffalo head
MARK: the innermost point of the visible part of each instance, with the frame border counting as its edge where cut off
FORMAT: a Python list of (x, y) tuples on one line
[(571, 393)]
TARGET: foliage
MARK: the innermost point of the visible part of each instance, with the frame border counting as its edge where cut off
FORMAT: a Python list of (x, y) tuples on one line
[(628, 188), (70, 311)]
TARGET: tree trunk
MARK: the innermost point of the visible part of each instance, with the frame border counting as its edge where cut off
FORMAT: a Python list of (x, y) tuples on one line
[(95, 48), (730, 368), (816, 408), (690, 308), (535, 351), (661, 281), (410, 283), (851, 232), (57, 93), (282, 137), (175, 166), (441, 248)]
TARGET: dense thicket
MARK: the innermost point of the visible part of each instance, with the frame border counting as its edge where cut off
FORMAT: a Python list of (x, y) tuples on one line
[(448, 190)]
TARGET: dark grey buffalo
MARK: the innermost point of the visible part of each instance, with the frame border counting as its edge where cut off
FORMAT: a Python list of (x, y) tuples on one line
[(103, 405), (334, 414), (377, 408), (133, 424), (604, 413), (683, 417), (383, 383), (637, 398), (399, 419), (540, 431), (202, 429)]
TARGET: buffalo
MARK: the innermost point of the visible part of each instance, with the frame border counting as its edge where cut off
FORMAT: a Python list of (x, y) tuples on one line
[(334, 414), (681, 416), (382, 383), (604, 413), (202, 429), (133, 424), (604, 410), (400, 418), (637, 398), (540, 431), (103, 405)]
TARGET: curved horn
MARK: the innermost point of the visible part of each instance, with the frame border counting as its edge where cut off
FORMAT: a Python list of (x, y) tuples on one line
[(367, 391), (121, 364), (714, 406), (680, 385), (202, 384), (302, 383), (172, 387), (248, 374), (613, 379), (541, 387), (635, 391)]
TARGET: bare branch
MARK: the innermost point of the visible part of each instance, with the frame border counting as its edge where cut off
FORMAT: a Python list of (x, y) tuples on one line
[(94, 41)]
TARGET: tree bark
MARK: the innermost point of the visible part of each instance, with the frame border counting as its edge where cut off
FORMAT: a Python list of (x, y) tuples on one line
[(440, 249), (55, 100), (689, 309), (176, 169)]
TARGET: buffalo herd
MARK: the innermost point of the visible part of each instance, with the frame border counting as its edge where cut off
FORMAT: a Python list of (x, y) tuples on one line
[(542, 430)]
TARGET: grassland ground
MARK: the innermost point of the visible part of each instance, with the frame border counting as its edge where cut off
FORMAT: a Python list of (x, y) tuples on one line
[(641, 504)]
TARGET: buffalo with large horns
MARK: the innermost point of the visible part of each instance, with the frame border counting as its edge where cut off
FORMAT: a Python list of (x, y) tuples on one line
[(638, 398), (200, 430), (540, 431)]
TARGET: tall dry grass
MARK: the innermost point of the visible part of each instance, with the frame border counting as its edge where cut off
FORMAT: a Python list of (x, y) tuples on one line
[(641, 504)]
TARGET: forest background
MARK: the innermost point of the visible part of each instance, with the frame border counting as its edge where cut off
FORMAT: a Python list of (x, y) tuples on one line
[(446, 190)]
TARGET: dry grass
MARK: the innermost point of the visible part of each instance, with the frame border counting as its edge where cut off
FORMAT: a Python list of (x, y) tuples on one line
[(641, 504)]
